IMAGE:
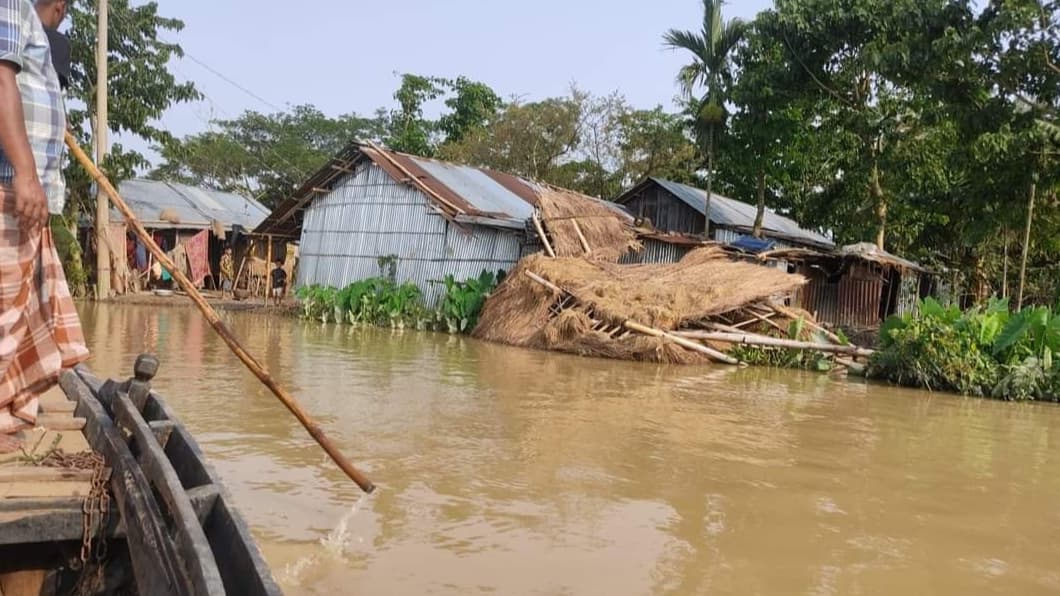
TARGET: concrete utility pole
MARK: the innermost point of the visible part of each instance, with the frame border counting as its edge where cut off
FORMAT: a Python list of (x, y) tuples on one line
[(102, 148)]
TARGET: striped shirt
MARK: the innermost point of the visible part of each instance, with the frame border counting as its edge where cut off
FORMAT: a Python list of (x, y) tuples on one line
[(24, 43)]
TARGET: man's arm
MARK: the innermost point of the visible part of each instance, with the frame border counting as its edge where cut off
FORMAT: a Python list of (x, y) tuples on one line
[(31, 204)]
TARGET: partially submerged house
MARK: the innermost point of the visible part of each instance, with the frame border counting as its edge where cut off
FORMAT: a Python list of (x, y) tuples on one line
[(678, 210), (436, 218), (856, 286)]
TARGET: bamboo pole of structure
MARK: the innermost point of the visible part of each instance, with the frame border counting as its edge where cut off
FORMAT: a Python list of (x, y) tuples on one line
[(751, 339), (794, 315), (414, 180), (681, 341), (544, 239), (311, 425), (581, 237), (268, 270)]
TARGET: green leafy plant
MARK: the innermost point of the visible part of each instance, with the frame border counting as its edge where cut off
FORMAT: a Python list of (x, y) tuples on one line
[(463, 300), (983, 351)]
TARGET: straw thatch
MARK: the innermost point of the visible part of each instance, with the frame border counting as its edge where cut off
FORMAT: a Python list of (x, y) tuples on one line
[(598, 298), (169, 215), (607, 232)]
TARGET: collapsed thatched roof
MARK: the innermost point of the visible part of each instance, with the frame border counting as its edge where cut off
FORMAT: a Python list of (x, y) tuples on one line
[(607, 231), (707, 282)]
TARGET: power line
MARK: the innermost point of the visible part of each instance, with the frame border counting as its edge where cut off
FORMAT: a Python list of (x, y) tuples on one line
[(233, 83)]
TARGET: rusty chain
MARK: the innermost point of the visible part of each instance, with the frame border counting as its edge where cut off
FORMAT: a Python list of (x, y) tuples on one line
[(95, 510)]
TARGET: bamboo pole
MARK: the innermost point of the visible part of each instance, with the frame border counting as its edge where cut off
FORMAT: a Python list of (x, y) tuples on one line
[(544, 239), (765, 319), (581, 237), (752, 339), (681, 341), (268, 270), (414, 180), (311, 425), (794, 315)]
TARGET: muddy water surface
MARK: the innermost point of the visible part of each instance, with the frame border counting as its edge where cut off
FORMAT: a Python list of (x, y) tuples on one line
[(516, 472)]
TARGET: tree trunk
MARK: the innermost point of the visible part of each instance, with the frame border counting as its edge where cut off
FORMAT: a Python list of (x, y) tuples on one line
[(761, 194), (1004, 270), (881, 205), (710, 180), (1026, 241)]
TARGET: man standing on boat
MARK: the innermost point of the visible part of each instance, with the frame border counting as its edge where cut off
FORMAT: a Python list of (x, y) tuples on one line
[(40, 333)]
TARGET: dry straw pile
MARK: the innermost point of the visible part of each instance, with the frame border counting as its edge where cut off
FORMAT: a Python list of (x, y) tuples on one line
[(574, 222), (597, 298)]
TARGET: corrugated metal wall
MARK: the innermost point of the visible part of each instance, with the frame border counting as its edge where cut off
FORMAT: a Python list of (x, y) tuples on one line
[(656, 251), (853, 302), (368, 215), (909, 294)]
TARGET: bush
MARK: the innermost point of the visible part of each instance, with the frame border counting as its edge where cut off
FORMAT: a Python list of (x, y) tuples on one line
[(982, 351)]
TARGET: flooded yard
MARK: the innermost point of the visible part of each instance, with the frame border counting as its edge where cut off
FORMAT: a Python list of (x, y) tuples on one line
[(510, 471)]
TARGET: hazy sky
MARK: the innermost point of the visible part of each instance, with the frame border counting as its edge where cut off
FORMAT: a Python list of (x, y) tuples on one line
[(342, 55)]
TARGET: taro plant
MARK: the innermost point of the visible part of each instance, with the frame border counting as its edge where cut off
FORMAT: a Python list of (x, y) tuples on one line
[(981, 351), (463, 300)]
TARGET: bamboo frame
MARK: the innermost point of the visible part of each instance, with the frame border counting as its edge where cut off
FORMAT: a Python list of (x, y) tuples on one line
[(643, 329)]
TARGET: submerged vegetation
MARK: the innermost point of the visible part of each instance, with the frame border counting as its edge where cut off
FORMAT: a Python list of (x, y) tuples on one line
[(383, 302), (983, 351)]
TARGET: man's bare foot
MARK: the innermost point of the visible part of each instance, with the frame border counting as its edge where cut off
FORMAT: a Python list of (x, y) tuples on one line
[(9, 444)]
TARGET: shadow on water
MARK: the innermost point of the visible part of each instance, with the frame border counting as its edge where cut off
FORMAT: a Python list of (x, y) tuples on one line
[(515, 471)]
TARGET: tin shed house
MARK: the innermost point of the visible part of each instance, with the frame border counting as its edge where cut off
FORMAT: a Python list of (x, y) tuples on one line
[(437, 219), (675, 208)]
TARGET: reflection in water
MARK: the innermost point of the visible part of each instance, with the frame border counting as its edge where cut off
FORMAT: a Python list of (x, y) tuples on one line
[(520, 472)]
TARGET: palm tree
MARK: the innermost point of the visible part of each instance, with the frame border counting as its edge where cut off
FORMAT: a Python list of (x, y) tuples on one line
[(711, 68)]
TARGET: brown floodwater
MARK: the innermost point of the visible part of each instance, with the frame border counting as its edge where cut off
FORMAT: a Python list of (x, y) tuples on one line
[(509, 471)]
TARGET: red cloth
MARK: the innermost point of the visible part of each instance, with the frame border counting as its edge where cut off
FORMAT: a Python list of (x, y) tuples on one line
[(197, 249)]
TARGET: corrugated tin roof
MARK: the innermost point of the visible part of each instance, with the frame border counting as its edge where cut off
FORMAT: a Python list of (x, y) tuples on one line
[(463, 193), (192, 207), (737, 214)]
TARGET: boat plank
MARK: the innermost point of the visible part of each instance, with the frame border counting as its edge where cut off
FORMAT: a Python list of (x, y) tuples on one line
[(190, 539), (47, 520), (43, 474), (150, 547)]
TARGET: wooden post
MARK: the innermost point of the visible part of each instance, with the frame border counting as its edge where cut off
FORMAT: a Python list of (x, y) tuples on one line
[(268, 268), (102, 206)]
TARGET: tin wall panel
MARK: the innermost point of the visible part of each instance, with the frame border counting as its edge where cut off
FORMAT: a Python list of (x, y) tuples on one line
[(368, 215), (656, 251)]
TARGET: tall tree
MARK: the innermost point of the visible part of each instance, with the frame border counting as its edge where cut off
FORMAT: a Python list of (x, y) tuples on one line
[(528, 139), (655, 143), (711, 69), (858, 58), (141, 85), (263, 155)]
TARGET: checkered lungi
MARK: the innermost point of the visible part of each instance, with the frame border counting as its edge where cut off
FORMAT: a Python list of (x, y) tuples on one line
[(40, 333)]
